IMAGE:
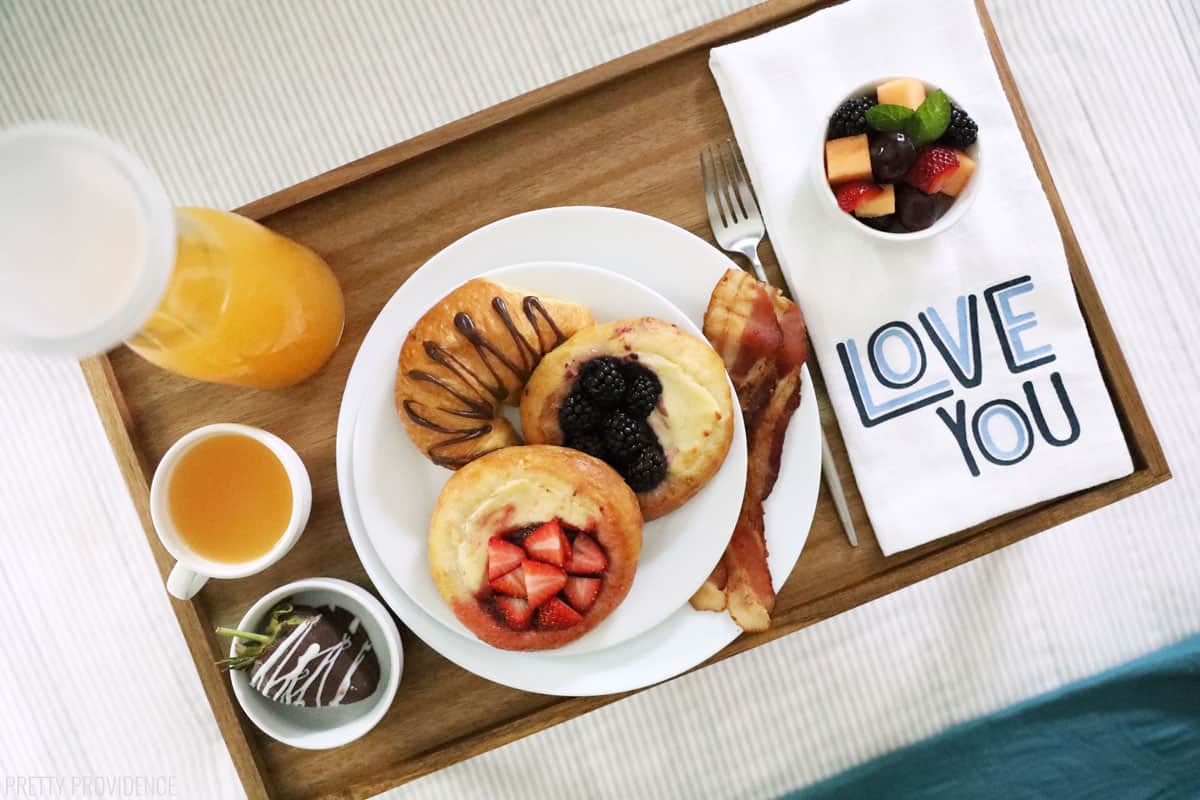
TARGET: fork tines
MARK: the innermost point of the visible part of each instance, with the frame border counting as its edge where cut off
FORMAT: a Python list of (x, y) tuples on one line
[(727, 187)]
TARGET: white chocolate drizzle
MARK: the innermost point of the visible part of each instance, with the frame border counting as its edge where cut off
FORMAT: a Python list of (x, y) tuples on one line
[(288, 673)]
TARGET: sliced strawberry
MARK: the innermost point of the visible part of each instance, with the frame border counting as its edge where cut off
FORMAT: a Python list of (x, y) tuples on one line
[(587, 558), (851, 194), (934, 165), (542, 581), (516, 612), (503, 556), (548, 544), (581, 592), (511, 583), (556, 615)]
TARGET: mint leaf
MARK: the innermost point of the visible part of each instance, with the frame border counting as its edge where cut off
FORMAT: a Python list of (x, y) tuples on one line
[(889, 118), (929, 121)]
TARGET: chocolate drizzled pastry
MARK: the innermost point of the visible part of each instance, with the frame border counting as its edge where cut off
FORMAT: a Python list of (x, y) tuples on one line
[(470, 355), (308, 657)]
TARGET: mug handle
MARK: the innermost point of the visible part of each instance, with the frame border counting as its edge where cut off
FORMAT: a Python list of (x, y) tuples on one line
[(184, 583)]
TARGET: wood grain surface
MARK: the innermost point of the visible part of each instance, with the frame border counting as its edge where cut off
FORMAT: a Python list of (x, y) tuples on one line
[(623, 134)]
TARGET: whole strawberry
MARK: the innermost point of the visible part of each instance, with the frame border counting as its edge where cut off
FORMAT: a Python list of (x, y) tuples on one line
[(307, 657)]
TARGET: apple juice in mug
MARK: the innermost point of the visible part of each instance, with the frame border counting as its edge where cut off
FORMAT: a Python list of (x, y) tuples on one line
[(229, 498), (227, 501)]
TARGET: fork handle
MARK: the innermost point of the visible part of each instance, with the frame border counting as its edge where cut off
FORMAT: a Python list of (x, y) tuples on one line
[(751, 254), (836, 491)]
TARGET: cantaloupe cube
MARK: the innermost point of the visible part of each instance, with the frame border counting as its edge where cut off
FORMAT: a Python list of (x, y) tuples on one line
[(908, 92), (958, 179), (879, 205), (848, 159)]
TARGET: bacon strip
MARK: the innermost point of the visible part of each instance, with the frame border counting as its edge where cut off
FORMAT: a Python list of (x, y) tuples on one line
[(741, 324), (711, 594), (761, 337)]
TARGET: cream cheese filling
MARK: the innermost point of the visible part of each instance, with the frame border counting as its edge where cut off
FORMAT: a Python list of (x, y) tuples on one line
[(687, 414), (514, 504)]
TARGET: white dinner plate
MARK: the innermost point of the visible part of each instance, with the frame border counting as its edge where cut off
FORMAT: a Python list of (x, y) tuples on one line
[(396, 486), (681, 267)]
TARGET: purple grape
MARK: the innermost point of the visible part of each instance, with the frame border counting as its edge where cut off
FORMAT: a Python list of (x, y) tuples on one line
[(891, 156), (883, 223), (915, 209)]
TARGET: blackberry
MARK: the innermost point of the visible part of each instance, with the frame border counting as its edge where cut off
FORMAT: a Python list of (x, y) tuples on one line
[(601, 380), (642, 390), (589, 442), (962, 131), (648, 470), (576, 415), (626, 437), (850, 119)]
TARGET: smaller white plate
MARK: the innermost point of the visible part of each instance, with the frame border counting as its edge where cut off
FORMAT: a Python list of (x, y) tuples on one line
[(396, 486), (324, 728)]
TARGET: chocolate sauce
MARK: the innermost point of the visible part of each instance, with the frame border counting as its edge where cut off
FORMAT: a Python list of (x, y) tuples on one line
[(475, 396)]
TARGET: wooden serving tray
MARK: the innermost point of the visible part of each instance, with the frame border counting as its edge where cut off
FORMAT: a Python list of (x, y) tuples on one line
[(622, 134)]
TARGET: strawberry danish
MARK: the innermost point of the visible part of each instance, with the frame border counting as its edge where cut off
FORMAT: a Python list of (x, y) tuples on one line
[(532, 547)]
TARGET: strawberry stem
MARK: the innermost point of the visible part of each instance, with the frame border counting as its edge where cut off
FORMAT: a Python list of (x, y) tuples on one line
[(254, 637)]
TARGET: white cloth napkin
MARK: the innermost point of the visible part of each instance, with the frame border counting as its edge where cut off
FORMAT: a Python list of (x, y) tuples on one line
[(971, 446)]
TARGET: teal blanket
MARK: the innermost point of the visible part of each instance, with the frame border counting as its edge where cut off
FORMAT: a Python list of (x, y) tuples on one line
[(1132, 732)]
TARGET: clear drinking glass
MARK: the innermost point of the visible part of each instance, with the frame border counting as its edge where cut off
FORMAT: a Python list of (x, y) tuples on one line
[(93, 254)]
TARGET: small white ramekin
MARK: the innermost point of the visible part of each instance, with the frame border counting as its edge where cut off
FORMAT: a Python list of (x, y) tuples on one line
[(324, 728)]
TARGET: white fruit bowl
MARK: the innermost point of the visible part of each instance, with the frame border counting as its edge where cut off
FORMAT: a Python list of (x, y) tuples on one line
[(828, 199)]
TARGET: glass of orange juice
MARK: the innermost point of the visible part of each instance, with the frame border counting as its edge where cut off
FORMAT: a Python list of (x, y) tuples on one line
[(93, 254), (227, 501)]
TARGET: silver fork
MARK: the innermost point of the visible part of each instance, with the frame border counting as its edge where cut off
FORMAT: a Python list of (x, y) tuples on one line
[(738, 227), (733, 211)]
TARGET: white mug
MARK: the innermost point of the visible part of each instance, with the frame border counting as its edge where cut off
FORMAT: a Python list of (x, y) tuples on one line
[(192, 570)]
